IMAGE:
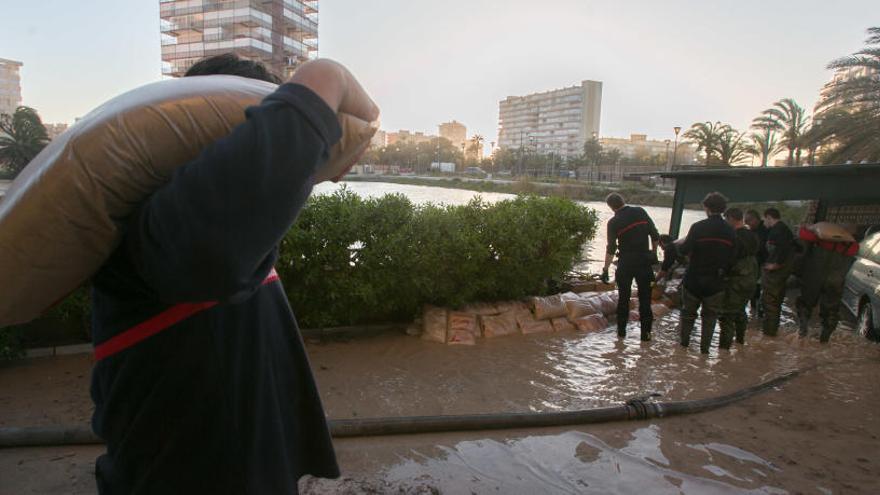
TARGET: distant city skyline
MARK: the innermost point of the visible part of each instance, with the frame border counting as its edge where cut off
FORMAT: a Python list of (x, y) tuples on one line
[(662, 64)]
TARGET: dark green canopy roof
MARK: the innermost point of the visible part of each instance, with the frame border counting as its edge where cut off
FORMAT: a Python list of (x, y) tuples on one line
[(831, 185)]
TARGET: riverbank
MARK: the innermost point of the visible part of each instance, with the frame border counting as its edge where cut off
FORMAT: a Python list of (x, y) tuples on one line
[(578, 191)]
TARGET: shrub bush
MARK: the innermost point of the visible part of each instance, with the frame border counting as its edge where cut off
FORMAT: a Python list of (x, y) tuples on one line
[(351, 260)]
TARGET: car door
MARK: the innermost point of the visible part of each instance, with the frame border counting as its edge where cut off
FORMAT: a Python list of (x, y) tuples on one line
[(858, 281)]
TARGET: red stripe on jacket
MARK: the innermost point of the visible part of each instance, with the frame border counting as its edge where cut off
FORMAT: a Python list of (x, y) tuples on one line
[(630, 227), (726, 242), (158, 323)]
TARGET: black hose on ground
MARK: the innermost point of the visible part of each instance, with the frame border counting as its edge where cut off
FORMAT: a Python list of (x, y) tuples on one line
[(635, 409)]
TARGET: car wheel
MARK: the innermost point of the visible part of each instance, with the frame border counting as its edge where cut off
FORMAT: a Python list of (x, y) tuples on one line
[(865, 324)]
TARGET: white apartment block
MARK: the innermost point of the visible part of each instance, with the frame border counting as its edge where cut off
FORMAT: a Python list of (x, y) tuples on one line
[(558, 121), (279, 33), (10, 85)]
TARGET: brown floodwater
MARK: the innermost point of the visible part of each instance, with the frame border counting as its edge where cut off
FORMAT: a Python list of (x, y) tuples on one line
[(395, 375)]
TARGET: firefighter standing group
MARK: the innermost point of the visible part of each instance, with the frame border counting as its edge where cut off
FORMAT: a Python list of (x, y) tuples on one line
[(734, 259)]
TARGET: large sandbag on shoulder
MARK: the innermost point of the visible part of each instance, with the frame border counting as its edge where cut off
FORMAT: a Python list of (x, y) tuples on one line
[(833, 232), (62, 216)]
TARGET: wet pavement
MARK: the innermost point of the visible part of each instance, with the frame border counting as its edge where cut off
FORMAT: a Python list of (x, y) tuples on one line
[(815, 434)]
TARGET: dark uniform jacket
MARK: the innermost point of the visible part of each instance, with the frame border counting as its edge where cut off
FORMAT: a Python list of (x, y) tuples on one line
[(629, 233), (711, 247), (761, 232), (780, 244), (202, 384)]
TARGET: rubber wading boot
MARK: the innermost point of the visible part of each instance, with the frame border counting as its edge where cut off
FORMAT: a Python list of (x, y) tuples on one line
[(646, 331), (803, 322), (621, 332)]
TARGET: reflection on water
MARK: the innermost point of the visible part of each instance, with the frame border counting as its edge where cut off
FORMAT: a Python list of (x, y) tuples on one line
[(573, 462), (594, 251), (396, 375)]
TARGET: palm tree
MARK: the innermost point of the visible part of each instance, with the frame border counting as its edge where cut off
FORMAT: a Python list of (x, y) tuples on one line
[(22, 137), (790, 119), (705, 136), (850, 108), (764, 145), (733, 146), (476, 144), (765, 140)]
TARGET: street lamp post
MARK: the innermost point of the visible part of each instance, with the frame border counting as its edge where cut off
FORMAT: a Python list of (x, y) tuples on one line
[(677, 129)]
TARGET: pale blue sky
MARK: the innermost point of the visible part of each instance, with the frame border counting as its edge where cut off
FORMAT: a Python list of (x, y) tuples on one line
[(425, 62)]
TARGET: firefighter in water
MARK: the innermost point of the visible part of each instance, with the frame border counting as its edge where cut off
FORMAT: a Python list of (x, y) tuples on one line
[(742, 277), (633, 236), (825, 266), (710, 244), (776, 269)]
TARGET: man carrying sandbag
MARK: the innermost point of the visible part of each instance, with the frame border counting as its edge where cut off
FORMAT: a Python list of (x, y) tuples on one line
[(629, 233), (740, 283), (827, 260), (710, 245), (776, 269), (202, 384)]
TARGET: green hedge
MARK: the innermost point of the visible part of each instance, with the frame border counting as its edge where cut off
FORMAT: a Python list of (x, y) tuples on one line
[(350, 260)]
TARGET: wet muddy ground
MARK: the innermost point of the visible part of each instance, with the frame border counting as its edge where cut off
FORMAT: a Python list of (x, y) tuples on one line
[(816, 434)]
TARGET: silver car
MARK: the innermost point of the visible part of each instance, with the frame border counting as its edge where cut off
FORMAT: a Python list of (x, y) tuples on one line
[(861, 293)]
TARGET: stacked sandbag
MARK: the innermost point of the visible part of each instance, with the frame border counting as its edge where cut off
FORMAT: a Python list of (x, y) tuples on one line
[(434, 324), (591, 323), (562, 325), (462, 328), (529, 324), (499, 325), (583, 306), (62, 216)]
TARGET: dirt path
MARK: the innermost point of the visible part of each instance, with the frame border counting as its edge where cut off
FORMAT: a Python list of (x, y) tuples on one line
[(816, 434)]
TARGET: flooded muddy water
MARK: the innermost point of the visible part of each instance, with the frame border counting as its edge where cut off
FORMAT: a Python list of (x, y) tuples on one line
[(743, 452)]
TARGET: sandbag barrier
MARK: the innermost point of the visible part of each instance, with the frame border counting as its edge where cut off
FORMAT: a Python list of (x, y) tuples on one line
[(633, 410), (569, 311)]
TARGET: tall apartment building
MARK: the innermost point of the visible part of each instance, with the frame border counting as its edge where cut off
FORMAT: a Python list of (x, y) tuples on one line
[(10, 85), (279, 33), (558, 121), (455, 132)]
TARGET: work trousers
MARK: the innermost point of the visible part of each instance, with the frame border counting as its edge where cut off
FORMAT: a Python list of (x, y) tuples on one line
[(822, 281), (638, 269), (739, 288), (773, 284), (710, 307)]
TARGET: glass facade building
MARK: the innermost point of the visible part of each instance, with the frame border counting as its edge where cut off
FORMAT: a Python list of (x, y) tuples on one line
[(279, 33)]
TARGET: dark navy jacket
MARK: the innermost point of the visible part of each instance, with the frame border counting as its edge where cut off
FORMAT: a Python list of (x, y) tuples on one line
[(780, 244), (711, 247), (629, 233), (223, 400)]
